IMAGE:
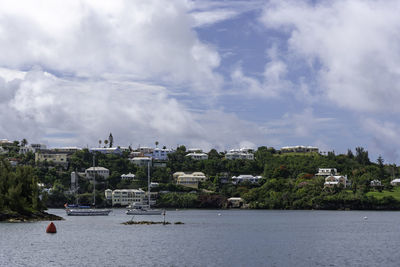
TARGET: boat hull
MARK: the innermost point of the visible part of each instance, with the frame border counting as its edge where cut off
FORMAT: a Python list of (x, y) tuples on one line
[(87, 212), (143, 212)]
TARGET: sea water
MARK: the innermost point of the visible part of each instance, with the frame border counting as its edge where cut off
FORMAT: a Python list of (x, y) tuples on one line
[(208, 238)]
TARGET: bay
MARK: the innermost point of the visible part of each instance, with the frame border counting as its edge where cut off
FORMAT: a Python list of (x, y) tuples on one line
[(208, 238)]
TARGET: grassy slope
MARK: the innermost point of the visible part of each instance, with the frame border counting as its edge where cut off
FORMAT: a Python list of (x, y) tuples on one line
[(394, 193)]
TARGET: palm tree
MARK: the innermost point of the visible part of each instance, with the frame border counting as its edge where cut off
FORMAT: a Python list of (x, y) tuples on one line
[(99, 143), (24, 142), (156, 144), (105, 143)]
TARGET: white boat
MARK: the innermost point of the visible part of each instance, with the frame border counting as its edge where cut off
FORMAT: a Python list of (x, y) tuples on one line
[(87, 212), (140, 209), (75, 210)]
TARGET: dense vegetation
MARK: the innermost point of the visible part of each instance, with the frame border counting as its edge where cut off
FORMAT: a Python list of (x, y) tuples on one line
[(288, 182)]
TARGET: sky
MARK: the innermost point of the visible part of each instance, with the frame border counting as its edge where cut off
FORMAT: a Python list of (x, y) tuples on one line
[(206, 74)]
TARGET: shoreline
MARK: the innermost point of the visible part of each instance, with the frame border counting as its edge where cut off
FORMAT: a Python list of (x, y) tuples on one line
[(34, 217)]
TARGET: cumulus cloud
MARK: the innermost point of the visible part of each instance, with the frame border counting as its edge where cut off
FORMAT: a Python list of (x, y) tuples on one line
[(140, 39), (352, 48)]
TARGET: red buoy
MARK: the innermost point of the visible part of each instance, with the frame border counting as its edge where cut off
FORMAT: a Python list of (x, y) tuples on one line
[(51, 228)]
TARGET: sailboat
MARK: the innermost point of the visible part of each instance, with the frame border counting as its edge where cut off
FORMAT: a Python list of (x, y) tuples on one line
[(75, 210), (144, 209)]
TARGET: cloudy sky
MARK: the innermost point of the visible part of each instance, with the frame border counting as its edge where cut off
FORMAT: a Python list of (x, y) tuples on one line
[(208, 74)]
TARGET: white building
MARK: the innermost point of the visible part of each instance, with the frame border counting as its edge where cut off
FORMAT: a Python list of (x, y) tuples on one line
[(141, 161), (124, 197), (32, 148), (189, 180), (161, 153), (197, 156), (98, 171), (375, 183), (245, 177), (325, 172), (242, 153), (395, 182), (336, 180), (129, 176)]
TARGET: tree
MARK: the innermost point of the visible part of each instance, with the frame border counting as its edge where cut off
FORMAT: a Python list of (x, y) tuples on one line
[(362, 156), (111, 140), (99, 143), (24, 142), (105, 143), (156, 143)]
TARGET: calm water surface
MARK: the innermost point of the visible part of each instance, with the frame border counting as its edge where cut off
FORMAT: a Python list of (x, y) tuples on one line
[(209, 238)]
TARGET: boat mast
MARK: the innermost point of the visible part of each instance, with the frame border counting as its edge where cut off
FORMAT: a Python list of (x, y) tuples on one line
[(148, 181), (94, 181)]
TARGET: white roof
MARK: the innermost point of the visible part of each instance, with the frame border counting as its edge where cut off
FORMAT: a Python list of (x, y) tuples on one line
[(97, 169), (396, 180)]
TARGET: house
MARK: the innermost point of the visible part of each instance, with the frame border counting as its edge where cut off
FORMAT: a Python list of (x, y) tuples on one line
[(141, 161), (58, 158), (91, 172), (5, 142), (124, 197), (235, 202), (161, 153), (245, 177), (325, 172), (190, 180), (299, 149), (375, 183), (197, 156), (106, 150), (395, 182), (335, 180), (129, 176), (239, 154)]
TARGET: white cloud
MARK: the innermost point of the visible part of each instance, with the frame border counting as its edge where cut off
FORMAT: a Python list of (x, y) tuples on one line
[(206, 18), (351, 47), (141, 39)]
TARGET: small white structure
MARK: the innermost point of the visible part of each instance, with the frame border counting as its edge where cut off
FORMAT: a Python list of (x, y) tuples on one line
[(235, 202), (141, 161), (154, 184), (325, 172), (335, 180), (129, 176), (395, 182), (245, 177), (375, 183), (91, 172), (197, 156), (108, 194)]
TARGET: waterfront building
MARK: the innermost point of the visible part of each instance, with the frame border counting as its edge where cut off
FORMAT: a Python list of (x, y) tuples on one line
[(91, 172), (299, 149), (197, 156), (245, 178), (5, 142), (125, 197), (235, 202)]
